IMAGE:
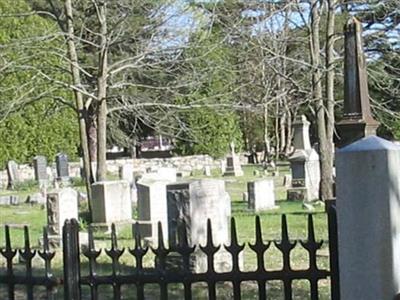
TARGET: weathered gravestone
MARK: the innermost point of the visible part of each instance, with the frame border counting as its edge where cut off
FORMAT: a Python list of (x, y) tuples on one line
[(12, 173), (304, 165), (61, 205), (62, 166), (152, 208), (111, 202), (126, 173), (233, 167), (194, 203), (40, 168), (357, 119), (261, 195)]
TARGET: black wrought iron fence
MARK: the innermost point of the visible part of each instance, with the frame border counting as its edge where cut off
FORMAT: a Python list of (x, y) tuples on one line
[(73, 282)]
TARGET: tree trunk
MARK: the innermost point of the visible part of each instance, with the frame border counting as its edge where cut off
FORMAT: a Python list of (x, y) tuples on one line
[(102, 95), (267, 143), (288, 145), (282, 127), (78, 98), (92, 137), (330, 95), (325, 166)]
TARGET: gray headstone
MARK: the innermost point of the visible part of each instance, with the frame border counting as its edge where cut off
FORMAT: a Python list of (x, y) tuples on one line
[(61, 205), (40, 168), (12, 173), (195, 202), (111, 201), (62, 165)]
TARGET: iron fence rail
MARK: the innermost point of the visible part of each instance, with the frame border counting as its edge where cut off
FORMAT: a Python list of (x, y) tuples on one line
[(162, 275)]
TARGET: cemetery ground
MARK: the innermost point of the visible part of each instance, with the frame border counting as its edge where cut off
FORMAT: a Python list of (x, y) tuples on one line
[(35, 217)]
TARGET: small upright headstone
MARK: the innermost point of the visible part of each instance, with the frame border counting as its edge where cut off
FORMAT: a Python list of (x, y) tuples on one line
[(111, 202), (207, 171), (261, 195), (152, 208), (40, 168), (61, 205), (195, 202), (62, 166), (12, 173)]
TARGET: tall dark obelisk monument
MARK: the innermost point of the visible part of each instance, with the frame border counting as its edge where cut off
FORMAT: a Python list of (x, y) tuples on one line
[(357, 119)]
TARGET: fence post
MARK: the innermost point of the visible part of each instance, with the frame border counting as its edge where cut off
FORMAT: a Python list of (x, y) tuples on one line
[(368, 214), (71, 262), (333, 249)]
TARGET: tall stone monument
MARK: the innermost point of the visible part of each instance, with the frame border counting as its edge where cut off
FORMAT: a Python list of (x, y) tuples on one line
[(357, 119), (233, 167), (304, 164)]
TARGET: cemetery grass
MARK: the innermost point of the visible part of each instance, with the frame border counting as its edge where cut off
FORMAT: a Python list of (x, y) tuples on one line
[(35, 217)]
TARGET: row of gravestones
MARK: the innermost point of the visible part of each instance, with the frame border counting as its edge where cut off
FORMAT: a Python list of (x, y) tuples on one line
[(159, 200), (40, 170)]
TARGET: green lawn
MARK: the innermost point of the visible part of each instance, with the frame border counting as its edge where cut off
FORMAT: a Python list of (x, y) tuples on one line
[(35, 217)]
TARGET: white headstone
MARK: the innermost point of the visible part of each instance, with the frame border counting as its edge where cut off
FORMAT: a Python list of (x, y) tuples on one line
[(368, 214), (61, 205), (152, 208), (111, 202), (126, 173), (261, 195)]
